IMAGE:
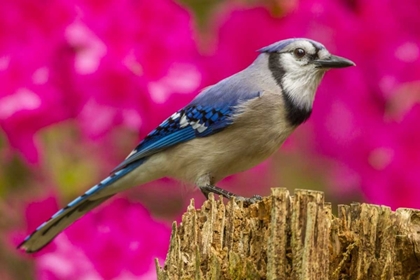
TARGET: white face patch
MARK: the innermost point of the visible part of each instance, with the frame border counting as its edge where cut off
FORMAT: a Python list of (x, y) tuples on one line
[(302, 87), (301, 77), (322, 54)]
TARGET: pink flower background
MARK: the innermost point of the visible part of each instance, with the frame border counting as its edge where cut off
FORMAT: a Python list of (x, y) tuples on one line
[(83, 81)]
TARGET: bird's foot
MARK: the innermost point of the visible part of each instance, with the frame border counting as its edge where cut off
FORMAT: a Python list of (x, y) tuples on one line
[(249, 200), (214, 189)]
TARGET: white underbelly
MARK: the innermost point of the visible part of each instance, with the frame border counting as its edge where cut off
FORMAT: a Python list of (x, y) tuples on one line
[(223, 154)]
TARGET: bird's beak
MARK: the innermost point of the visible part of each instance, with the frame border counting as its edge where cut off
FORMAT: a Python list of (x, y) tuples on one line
[(333, 62)]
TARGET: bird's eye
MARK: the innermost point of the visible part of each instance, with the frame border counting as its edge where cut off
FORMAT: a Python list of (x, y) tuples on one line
[(299, 53)]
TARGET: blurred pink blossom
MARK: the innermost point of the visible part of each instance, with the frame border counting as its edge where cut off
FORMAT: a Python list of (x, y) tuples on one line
[(31, 33), (120, 241), (138, 63), (104, 64)]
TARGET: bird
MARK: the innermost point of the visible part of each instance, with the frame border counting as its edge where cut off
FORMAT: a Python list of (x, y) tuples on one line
[(227, 128)]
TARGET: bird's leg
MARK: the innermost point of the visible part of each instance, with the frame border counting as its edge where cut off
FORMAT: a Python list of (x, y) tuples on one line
[(214, 189), (206, 187)]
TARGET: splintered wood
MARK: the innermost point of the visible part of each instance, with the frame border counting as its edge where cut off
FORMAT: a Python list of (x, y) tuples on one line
[(293, 237)]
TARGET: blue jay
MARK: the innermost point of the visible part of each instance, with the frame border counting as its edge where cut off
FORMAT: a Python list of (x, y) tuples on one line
[(228, 128)]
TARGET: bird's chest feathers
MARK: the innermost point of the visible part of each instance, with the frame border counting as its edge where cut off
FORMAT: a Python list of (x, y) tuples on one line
[(301, 87), (266, 127)]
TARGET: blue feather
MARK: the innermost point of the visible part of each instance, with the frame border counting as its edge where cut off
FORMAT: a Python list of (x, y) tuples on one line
[(279, 46), (77, 207), (210, 112)]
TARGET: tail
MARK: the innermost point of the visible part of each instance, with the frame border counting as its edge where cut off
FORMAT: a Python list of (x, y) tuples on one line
[(46, 232)]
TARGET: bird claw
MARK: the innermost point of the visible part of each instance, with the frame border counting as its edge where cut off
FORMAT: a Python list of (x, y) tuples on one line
[(214, 189)]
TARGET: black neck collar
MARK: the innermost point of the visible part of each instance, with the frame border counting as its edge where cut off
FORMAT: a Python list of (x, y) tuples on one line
[(295, 115)]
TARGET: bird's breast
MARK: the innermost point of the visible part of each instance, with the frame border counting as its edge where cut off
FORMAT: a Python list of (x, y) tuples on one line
[(257, 132)]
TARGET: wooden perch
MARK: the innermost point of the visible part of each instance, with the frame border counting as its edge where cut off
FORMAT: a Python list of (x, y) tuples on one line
[(294, 237)]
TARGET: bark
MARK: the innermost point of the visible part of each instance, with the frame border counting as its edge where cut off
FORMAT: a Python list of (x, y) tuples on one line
[(293, 237)]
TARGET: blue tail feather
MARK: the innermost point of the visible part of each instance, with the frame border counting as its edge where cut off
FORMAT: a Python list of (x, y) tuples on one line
[(46, 232)]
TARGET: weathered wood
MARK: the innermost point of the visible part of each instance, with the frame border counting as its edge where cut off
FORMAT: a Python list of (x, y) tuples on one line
[(293, 237)]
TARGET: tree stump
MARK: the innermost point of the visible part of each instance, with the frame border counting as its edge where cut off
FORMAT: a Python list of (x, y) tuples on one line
[(293, 237)]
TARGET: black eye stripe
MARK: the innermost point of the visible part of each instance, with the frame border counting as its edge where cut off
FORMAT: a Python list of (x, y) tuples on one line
[(308, 55)]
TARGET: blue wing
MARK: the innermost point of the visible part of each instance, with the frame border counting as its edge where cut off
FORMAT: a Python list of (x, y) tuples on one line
[(188, 123), (193, 121)]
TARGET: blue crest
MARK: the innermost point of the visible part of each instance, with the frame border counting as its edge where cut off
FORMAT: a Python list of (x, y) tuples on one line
[(280, 45)]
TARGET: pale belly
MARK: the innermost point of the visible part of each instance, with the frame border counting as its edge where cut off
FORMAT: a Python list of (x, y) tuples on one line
[(223, 154)]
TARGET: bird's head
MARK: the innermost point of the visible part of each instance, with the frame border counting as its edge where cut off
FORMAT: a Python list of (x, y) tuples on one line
[(298, 66)]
